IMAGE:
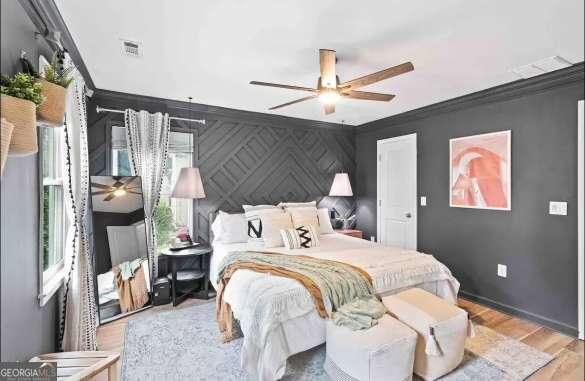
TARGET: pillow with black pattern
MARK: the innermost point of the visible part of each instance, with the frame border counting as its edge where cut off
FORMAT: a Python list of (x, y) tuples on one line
[(253, 213), (302, 237)]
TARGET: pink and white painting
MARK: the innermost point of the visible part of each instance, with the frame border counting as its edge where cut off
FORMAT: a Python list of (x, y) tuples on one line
[(481, 171)]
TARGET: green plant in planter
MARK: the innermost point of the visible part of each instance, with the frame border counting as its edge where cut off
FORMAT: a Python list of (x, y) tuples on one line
[(23, 86), (56, 73)]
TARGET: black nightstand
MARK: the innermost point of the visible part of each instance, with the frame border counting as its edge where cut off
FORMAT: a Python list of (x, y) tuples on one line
[(203, 252)]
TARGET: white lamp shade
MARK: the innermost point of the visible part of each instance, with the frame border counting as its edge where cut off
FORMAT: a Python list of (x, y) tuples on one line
[(189, 184), (341, 185)]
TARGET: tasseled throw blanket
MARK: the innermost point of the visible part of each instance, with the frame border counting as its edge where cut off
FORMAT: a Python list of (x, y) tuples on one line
[(348, 288)]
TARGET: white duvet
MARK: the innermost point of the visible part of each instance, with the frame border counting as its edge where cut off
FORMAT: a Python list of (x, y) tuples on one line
[(277, 315)]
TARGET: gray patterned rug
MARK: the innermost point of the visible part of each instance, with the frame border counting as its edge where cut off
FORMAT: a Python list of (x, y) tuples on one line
[(184, 345)]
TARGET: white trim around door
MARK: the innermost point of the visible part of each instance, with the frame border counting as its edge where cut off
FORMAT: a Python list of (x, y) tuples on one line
[(581, 217), (403, 213)]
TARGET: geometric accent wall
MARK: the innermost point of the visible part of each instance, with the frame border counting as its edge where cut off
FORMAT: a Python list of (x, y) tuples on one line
[(244, 157)]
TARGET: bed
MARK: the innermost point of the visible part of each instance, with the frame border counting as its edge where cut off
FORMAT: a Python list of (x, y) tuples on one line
[(277, 315)]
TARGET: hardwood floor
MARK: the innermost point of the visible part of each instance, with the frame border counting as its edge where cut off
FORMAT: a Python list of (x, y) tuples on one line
[(568, 364)]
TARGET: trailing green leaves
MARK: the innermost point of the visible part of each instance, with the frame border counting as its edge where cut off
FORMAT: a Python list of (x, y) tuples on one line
[(23, 86), (57, 73)]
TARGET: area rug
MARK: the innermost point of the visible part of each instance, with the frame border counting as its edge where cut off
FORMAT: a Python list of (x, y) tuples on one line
[(184, 345)]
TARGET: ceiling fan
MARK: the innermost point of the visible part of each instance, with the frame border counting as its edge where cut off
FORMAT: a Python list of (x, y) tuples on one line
[(118, 189), (329, 89)]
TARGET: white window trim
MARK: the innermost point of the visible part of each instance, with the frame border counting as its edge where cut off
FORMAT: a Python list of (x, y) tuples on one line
[(50, 280), (114, 171)]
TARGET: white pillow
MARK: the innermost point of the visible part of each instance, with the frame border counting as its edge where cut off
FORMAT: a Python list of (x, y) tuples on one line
[(272, 224), (298, 204), (254, 223), (230, 228), (303, 237), (304, 216), (324, 221)]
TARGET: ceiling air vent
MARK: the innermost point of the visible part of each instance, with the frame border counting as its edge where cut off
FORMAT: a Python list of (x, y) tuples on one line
[(132, 48), (542, 66)]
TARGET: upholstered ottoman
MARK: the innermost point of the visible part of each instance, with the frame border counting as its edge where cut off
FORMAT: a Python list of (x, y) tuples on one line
[(441, 327), (383, 352)]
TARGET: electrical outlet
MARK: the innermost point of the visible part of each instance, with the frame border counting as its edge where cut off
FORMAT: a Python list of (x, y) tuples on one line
[(423, 201), (502, 270), (558, 208), (373, 238)]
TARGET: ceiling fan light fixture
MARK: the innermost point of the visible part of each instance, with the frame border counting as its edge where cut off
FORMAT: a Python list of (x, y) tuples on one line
[(329, 96), (119, 192)]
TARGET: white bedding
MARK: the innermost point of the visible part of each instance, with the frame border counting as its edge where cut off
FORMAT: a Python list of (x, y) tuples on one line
[(277, 315)]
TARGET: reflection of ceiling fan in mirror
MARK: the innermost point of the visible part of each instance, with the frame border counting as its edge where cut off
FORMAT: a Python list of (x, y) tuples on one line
[(118, 189), (329, 89)]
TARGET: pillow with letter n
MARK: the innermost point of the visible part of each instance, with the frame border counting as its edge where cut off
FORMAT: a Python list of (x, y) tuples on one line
[(253, 216), (301, 237)]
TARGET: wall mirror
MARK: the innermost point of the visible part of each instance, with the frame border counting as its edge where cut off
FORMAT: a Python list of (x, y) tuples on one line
[(120, 255)]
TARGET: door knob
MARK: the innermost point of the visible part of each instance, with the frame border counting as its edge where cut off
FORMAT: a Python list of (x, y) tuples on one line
[(407, 215)]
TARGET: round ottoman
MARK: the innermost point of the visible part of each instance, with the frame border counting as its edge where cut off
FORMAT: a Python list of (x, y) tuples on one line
[(442, 329), (383, 352)]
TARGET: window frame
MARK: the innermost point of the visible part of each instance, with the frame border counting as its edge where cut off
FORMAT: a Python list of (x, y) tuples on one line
[(112, 160), (51, 279)]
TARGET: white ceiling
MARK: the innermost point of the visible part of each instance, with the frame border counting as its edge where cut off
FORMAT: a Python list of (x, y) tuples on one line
[(123, 204), (211, 49)]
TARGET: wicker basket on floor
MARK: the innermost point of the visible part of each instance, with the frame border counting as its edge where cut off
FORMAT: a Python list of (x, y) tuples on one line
[(52, 111), (5, 135), (22, 114)]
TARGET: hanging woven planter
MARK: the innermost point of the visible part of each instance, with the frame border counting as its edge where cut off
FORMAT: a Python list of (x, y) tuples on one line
[(52, 111), (22, 114), (5, 135)]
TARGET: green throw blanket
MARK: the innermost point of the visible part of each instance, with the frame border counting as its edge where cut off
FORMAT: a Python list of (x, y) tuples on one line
[(348, 288)]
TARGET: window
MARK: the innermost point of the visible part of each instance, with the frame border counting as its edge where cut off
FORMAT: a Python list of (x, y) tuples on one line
[(52, 213), (172, 214)]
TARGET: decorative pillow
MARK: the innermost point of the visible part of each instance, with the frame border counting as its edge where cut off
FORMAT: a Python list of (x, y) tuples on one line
[(324, 221), (298, 204), (304, 216), (302, 237), (230, 228), (253, 213), (272, 224)]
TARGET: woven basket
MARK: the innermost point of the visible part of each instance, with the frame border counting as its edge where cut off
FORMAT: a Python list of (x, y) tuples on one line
[(22, 114), (5, 135), (52, 111)]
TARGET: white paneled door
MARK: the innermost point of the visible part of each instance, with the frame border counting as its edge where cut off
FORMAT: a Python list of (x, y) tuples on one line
[(397, 192)]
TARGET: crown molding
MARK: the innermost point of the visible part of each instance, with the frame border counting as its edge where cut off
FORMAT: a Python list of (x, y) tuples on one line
[(567, 76), (115, 99), (46, 17)]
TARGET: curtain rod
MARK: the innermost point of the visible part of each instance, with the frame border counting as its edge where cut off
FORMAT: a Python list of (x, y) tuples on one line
[(101, 109)]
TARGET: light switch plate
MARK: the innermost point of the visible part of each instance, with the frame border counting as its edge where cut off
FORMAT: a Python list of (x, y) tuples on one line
[(502, 270), (423, 201), (558, 208)]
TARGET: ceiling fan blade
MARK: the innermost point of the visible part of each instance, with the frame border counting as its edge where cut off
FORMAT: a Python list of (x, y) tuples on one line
[(129, 191), (329, 109), (290, 87), (368, 96), (378, 76), (99, 192), (100, 186), (110, 197), (327, 63), (293, 102)]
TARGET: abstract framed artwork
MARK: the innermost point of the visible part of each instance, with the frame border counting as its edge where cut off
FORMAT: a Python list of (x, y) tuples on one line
[(480, 171)]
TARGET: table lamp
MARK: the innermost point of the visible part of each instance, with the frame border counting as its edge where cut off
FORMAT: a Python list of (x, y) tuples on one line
[(189, 185)]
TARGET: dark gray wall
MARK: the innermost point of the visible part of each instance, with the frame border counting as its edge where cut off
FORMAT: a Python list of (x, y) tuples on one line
[(244, 157), (539, 249), (25, 328)]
